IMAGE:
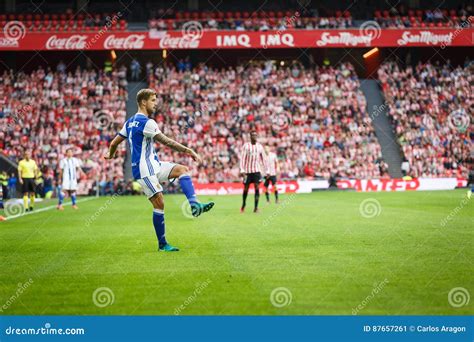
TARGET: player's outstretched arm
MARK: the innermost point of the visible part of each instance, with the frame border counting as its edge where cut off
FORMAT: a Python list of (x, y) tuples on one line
[(174, 145), (113, 147)]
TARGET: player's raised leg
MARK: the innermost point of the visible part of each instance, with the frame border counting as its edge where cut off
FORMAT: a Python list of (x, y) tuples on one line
[(159, 223), (182, 173)]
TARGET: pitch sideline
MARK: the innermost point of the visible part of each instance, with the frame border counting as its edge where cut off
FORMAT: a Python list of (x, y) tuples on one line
[(81, 200)]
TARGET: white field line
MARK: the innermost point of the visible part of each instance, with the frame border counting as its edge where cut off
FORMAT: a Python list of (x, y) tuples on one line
[(49, 208)]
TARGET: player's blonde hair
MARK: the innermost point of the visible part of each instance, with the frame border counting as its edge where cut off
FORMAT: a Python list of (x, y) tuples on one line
[(145, 94)]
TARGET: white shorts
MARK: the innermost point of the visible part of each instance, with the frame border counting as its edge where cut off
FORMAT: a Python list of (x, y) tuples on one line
[(69, 184), (151, 185)]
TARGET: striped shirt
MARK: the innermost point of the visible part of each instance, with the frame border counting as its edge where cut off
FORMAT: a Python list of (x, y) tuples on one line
[(69, 167), (272, 164), (252, 158)]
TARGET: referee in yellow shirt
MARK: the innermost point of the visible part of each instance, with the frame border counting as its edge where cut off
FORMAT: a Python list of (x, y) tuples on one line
[(27, 173)]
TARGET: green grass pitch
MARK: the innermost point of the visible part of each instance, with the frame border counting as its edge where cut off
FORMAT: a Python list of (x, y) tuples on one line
[(313, 254)]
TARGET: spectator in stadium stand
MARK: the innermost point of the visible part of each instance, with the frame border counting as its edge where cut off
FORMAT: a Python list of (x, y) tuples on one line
[(149, 68), (405, 167), (135, 69), (12, 180), (61, 68), (399, 18), (4, 184)]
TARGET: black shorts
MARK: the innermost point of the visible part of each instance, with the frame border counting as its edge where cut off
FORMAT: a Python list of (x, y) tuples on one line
[(252, 178), (28, 185), (270, 179)]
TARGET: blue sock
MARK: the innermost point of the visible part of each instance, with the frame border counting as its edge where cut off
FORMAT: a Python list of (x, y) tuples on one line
[(159, 224), (472, 188), (73, 198), (60, 196), (188, 188)]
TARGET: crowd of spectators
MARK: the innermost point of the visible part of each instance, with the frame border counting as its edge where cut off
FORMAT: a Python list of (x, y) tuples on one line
[(252, 21), (401, 18), (431, 107), (69, 21), (48, 111), (314, 118)]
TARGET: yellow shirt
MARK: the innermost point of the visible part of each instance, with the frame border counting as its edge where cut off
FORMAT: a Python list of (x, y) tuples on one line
[(27, 169)]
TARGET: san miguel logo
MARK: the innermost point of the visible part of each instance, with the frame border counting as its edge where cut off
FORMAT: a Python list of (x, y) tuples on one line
[(425, 37), (130, 42), (74, 42), (344, 38)]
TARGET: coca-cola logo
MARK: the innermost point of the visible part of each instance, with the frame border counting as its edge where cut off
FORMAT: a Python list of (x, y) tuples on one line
[(425, 37), (344, 38), (74, 42), (130, 42), (181, 42)]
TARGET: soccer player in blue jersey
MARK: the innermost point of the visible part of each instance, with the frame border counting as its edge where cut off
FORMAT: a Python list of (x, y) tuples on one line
[(141, 132)]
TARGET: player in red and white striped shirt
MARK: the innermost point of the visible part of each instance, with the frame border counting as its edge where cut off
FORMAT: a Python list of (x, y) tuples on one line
[(252, 165), (273, 168)]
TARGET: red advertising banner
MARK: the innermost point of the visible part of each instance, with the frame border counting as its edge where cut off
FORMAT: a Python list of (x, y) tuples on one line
[(362, 185), (153, 40)]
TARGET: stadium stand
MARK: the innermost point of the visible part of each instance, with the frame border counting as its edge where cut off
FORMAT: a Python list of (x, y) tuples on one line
[(424, 18), (251, 21), (67, 22), (430, 106), (49, 111), (315, 118)]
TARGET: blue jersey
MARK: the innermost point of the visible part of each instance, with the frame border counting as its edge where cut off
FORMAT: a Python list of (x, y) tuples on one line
[(139, 130)]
